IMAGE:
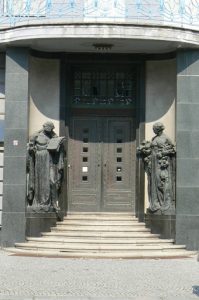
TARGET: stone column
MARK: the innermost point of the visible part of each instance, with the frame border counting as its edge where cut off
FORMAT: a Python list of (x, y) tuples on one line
[(187, 138), (16, 131)]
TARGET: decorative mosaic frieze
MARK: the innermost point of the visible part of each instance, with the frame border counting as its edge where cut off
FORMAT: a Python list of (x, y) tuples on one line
[(161, 12)]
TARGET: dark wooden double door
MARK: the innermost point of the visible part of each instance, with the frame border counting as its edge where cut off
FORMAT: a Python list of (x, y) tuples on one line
[(101, 166)]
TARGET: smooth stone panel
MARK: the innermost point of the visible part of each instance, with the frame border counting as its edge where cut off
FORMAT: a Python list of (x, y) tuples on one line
[(187, 232), (2, 126), (1, 159), (20, 82), (10, 203), (13, 228), (188, 200), (187, 117), (15, 170), (16, 61), (15, 142), (187, 133), (187, 172), (1, 188), (1, 174), (190, 142), (1, 202), (16, 124), (16, 112), (188, 62), (187, 89)]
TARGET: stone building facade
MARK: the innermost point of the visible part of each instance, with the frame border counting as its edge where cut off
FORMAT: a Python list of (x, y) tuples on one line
[(63, 61)]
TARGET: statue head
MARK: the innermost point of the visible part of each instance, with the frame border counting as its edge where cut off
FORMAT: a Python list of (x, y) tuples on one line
[(158, 127), (48, 126)]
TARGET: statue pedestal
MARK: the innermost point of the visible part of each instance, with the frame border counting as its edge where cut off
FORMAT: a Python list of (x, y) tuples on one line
[(161, 224), (39, 222)]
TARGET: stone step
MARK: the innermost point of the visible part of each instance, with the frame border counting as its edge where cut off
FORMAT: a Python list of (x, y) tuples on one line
[(180, 253), (101, 240), (100, 234), (98, 247), (101, 217), (117, 214), (100, 223), (116, 228)]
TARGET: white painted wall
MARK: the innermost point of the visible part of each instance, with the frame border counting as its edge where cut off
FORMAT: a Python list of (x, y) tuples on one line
[(44, 93), (160, 100)]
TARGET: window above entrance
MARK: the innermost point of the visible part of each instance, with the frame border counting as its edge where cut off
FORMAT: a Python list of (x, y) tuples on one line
[(104, 88)]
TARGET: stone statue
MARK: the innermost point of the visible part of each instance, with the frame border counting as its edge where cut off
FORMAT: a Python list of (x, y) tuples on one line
[(159, 164), (45, 169)]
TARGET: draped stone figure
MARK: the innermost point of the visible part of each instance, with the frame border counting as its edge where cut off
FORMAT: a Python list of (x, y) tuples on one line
[(45, 169), (159, 163)]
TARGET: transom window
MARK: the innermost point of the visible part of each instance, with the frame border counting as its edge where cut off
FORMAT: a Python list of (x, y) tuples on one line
[(104, 87)]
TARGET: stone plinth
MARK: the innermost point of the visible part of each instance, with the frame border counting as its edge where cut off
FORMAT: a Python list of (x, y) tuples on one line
[(161, 224), (39, 222)]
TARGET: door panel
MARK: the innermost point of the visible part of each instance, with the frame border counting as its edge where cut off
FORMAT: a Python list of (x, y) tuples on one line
[(84, 165), (101, 164), (119, 165)]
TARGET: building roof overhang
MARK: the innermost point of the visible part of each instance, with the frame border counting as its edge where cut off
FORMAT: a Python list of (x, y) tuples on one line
[(125, 38)]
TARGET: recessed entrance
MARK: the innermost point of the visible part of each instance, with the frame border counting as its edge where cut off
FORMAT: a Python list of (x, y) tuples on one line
[(102, 147)]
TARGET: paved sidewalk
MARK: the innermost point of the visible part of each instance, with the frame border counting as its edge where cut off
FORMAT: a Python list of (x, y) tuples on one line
[(34, 278)]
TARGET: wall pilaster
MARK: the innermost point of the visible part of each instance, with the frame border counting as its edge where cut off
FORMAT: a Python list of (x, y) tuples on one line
[(187, 138), (16, 131)]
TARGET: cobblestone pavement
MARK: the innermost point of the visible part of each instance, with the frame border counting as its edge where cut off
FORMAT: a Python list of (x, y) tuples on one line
[(28, 278)]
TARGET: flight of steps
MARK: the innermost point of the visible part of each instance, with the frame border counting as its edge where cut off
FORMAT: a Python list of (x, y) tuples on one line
[(105, 235)]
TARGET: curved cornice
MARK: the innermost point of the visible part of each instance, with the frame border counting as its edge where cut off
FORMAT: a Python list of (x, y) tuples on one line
[(181, 36)]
